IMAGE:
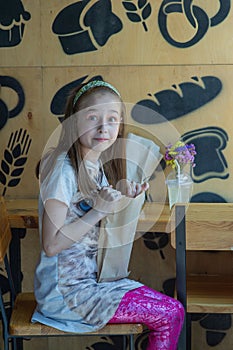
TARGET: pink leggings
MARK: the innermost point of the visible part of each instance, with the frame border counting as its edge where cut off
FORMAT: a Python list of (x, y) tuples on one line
[(163, 315)]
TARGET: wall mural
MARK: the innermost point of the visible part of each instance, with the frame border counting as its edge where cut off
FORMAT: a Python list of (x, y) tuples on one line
[(216, 326), (209, 143), (15, 86), (156, 241), (13, 18), (116, 343), (195, 16), (138, 12), (16, 152), (58, 102), (14, 159), (177, 101), (207, 197), (75, 22), (84, 26)]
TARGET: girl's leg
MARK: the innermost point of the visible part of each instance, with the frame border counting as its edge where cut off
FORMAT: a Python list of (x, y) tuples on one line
[(163, 315)]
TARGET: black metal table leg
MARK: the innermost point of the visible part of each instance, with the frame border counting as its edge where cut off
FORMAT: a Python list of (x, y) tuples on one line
[(181, 269), (15, 257), (15, 264)]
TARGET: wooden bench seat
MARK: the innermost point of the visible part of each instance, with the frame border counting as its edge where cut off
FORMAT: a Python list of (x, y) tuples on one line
[(20, 323)]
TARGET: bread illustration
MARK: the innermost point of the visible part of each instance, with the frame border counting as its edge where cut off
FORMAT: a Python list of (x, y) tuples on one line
[(13, 86), (58, 102), (177, 101), (208, 197), (83, 28), (210, 160), (12, 22)]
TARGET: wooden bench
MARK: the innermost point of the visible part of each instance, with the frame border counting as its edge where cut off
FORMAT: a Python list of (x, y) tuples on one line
[(24, 304), (202, 227), (21, 325)]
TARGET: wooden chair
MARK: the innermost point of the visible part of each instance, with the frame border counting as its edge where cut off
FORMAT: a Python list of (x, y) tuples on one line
[(17, 325), (202, 227)]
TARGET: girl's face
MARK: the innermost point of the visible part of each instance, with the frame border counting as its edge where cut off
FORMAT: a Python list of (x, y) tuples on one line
[(98, 123)]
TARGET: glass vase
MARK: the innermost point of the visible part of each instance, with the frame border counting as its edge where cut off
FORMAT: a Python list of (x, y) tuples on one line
[(179, 186)]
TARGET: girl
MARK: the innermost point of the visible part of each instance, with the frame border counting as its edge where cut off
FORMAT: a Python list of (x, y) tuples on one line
[(75, 195)]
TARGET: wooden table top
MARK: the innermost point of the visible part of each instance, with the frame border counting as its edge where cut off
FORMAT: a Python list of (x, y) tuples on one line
[(23, 213)]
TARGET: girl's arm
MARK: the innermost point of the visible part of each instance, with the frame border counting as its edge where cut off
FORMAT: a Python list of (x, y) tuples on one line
[(56, 236)]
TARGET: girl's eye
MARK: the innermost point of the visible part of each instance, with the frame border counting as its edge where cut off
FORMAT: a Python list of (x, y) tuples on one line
[(113, 119), (92, 117)]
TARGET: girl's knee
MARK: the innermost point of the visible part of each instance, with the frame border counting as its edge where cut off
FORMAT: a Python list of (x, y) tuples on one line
[(174, 311), (179, 311)]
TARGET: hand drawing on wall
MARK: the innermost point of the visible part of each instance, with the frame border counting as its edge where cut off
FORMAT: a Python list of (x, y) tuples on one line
[(58, 103), (114, 342), (196, 17), (15, 86), (209, 143), (215, 325), (207, 197), (14, 159), (156, 241), (83, 26), (177, 101), (139, 12), (13, 18)]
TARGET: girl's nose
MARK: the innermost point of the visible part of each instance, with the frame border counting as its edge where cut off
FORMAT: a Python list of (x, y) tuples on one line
[(102, 129)]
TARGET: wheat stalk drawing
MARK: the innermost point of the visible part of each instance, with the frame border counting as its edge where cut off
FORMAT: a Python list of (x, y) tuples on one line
[(14, 159), (138, 12)]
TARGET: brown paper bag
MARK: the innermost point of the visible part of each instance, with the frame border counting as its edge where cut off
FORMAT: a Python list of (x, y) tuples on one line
[(117, 231), (117, 234)]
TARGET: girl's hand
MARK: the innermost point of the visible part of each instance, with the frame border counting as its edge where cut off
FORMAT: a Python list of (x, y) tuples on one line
[(106, 200), (132, 188)]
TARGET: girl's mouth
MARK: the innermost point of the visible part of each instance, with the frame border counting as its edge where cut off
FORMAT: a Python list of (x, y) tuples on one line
[(101, 139)]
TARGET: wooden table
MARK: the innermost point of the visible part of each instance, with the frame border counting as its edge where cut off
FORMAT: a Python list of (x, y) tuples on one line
[(23, 215)]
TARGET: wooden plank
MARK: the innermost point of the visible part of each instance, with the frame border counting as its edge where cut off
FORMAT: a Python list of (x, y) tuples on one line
[(151, 46), (24, 130), (209, 226), (213, 212), (154, 217), (25, 304), (28, 51), (210, 294), (23, 213), (5, 232)]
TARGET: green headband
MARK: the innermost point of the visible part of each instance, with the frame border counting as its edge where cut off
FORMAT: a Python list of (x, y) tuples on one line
[(91, 85)]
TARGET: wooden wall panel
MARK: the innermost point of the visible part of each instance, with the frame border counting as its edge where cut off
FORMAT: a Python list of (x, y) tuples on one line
[(208, 96), (21, 126), (25, 33), (202, 35)]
